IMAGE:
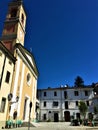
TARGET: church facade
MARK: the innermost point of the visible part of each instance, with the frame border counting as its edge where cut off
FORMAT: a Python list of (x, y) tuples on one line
[(22, 75)]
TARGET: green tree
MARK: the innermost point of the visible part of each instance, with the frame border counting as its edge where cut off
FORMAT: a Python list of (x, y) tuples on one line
[(79, 82), (96, 109), (83, 108)]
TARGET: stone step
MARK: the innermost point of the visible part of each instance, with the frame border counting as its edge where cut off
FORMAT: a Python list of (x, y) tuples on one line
[(26, 124)]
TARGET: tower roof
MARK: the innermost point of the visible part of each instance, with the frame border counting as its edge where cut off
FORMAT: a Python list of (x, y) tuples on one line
[(16, 2)]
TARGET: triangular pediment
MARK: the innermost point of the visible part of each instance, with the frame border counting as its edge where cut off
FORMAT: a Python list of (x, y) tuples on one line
[(30, 59), (28, 56)]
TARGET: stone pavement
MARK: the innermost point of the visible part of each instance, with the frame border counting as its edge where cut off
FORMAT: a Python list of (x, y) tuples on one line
[(54, 126)]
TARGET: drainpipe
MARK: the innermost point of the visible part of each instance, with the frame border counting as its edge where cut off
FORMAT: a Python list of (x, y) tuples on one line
[(61, 104), (2, 71)]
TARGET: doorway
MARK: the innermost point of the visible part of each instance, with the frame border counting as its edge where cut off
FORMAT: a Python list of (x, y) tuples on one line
[(25, 108), (67, 116), (56, 117)]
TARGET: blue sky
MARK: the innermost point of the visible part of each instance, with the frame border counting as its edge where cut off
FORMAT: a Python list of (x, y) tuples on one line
[(63, 35)]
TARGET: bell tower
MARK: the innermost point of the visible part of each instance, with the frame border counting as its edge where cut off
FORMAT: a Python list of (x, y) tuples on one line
[(14, 25)]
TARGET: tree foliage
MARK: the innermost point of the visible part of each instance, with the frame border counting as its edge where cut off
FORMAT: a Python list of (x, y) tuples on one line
[(79, 82), (96, 109), (83, 108)]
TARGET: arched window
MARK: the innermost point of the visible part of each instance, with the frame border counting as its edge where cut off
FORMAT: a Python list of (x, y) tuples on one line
[(28, 79), (13, 13), (22, 19)]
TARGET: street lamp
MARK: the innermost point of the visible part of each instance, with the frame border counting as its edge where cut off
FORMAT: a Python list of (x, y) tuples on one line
[(30, 105), (37, 116)]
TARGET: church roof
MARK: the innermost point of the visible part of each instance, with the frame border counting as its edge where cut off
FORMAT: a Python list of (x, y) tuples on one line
[(28, 56)]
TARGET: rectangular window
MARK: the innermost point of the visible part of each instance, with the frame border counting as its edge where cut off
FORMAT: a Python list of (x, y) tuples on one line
[(87, 102), (76, 103), (77, 115), (55, 93), (55, 104), (10, 62), (45, 104), (45, 94), (7, 77), (65, 94), (76, 93), (66, 105), (44, 117), (3, 103), (86, 93)]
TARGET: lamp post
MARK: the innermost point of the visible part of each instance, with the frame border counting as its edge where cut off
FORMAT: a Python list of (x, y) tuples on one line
[(30, 105), (37, 116)]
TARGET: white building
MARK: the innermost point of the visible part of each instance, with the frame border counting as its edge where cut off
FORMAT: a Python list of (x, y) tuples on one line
[(59, 104)]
